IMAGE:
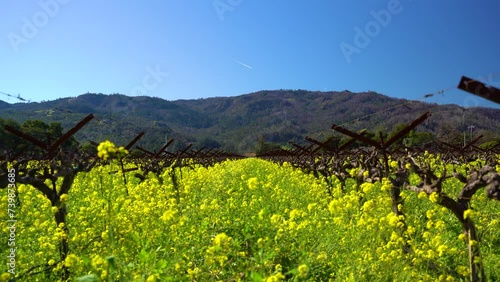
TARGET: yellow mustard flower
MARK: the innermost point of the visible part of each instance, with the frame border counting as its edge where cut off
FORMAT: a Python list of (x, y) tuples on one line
[(221, 239), (468, 214), (64, 197), (5, 276), (434, 197), (422, 195), (303, 269), (107, 150), (252, 183)]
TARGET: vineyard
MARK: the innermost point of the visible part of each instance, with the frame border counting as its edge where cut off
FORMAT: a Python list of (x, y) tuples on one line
[(379, 212)]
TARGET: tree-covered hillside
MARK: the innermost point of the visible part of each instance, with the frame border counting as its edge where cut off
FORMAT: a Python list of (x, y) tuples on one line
[(237, 123)]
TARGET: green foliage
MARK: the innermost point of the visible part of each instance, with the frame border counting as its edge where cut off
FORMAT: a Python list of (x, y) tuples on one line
[(208, 143), (419, 138), (488, 145), (9, 142), (235, 122), (89, 149), (46, 133), (413, 138), (265, 147)]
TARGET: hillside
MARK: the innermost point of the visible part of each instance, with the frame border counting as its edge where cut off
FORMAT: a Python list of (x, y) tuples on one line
[(235, 123)]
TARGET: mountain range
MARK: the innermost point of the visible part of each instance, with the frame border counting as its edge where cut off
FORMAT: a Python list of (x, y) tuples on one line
[(236, 123)]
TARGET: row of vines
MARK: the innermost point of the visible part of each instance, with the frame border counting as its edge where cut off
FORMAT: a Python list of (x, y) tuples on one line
[(310, 214)]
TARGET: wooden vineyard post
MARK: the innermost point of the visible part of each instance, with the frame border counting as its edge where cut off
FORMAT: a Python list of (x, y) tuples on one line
[(479, 89)]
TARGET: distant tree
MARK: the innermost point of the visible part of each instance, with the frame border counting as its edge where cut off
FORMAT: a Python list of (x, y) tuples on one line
[(37, 129), (332, 143), (488, 145), (9, 143), (396, 128), (46, 133), (413, 138), (209, 143), (135, 153), (55, 131), (265, 147), (381, 132), (447, 131), (89, 148), (418, 138)]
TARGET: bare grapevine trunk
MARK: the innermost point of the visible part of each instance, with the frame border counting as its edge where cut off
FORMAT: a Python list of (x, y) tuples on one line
[(475, 261), (486, 177), (469, 230), (60, 217)]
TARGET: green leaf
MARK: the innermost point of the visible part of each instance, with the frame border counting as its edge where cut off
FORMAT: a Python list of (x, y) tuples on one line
[(161, 264), (256, 277), (119, 207), (135, 238), (111, 261), (87, 278), (85, 260), (143, 255)]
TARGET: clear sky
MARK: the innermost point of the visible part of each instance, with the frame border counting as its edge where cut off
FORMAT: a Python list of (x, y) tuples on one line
[(185, 49)]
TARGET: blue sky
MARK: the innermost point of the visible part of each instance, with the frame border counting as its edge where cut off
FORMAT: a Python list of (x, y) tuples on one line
[(189, 49)]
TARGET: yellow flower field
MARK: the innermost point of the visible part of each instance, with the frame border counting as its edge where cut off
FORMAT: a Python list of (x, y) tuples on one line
[(243, 220)]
